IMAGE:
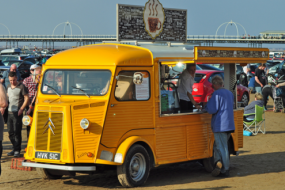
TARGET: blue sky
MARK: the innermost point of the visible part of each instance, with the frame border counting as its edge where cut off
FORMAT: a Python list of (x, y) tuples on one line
[(99, 16)]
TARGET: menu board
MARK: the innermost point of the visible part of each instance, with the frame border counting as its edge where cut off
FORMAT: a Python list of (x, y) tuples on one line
[(142, 90), (151, 22)]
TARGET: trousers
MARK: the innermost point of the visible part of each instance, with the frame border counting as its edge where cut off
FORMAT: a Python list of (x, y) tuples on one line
[(14, 125), (221, 150), (258, 89), (266, 92), (185, 106)]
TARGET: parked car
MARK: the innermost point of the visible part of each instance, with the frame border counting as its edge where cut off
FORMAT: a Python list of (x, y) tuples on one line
[(23, 67), (174, 72), (12, 57), (239, 68), (202, 88), (277, 73)]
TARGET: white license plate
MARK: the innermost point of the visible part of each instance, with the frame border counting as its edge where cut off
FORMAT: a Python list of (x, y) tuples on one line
[(48, 155)]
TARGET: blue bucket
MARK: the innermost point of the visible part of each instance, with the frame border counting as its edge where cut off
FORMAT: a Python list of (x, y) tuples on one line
[(247, 133)]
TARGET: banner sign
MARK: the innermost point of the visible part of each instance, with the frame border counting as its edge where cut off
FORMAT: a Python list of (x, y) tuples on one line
[(232, 53), (151, 22)]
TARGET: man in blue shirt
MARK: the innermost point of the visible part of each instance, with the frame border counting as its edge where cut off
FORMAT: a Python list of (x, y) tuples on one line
[(220, 106)]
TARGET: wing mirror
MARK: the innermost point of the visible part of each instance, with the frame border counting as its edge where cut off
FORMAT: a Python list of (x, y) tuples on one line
[(137, 77)]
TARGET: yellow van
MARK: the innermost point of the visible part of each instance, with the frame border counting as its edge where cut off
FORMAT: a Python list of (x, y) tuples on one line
[(101, 105)]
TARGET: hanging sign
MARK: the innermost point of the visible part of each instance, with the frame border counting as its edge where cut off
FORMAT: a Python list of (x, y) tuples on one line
[(151, 22), (230, 55)]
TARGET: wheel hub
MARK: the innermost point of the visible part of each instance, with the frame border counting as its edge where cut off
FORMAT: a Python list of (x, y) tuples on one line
[(137, 167)]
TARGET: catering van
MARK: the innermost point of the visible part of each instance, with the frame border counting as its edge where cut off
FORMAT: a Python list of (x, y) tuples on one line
[(110, 104)]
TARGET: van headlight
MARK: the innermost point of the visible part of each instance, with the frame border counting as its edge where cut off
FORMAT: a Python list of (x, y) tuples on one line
[(84, 123), (27, 120)]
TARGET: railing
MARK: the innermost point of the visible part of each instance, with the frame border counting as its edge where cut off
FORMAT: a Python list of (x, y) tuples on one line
[(233, 37), (189, 37)]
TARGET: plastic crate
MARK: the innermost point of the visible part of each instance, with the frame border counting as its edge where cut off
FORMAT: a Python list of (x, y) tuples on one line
[(16, 163)]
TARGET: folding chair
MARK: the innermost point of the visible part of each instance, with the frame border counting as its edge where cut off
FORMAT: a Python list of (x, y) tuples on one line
[(256, 124)]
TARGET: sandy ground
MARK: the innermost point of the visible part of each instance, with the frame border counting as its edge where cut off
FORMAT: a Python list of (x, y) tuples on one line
[(260, 165)]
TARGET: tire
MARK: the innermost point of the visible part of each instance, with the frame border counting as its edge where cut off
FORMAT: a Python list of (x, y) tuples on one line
[(209, 163), (244, 99), (44, 173), (135, 170)]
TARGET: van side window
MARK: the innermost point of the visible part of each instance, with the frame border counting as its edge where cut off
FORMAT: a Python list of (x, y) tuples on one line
[(127, 90)]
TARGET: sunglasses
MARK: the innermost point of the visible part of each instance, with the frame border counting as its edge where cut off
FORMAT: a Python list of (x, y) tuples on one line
[(32, 69)]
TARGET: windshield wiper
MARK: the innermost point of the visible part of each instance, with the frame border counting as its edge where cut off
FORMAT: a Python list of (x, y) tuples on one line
[(53, 90), (81, 91)]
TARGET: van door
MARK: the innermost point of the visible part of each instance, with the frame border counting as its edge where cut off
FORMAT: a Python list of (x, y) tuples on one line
[(131, 105)]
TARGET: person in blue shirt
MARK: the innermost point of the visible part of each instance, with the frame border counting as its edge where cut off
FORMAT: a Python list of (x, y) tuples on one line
[(220, 106), (250, 109), (251, 85)]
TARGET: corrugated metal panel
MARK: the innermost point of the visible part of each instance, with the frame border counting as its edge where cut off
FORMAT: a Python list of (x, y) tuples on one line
[(55, 140), (87, 140), (197, 140), (171, 143), (41, 139), (239, 127), (197, 134), (126, 116)]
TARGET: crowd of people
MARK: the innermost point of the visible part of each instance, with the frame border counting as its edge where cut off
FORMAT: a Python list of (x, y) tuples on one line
[(260, 84), (20, 95)]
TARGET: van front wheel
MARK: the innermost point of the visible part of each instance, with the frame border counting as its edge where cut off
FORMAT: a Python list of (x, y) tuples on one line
[(46, 174), (135, 170)]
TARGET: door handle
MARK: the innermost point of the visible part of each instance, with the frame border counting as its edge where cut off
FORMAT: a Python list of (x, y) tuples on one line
[(112, 105)]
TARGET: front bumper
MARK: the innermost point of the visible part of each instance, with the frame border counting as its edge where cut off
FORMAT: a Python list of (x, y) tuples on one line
[(58, 167)]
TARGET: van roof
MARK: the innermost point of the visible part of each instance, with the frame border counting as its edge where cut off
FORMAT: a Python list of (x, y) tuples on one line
[(121, 54)]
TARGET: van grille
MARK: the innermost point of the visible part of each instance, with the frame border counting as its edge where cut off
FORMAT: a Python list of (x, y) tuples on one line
[(48, 141)]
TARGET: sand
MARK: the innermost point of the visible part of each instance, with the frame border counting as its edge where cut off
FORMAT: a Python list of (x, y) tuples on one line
[(260, 165)]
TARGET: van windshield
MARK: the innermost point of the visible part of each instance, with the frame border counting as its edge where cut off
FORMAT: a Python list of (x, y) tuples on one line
[(76, 82)]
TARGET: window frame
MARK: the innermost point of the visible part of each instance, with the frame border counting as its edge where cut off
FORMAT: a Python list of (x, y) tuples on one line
[(133, 100)]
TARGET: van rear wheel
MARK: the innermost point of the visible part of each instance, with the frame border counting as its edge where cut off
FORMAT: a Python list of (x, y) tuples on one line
[(209, 163), (46, 174), (135, 169)]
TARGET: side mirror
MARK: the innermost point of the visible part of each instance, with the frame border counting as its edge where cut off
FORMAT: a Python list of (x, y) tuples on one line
[(138, 78)]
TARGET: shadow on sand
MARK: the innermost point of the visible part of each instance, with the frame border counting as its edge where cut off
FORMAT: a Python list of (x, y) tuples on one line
[(190, 172)]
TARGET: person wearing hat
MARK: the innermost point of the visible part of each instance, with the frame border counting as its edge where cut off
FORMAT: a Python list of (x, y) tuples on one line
[(31, 84)]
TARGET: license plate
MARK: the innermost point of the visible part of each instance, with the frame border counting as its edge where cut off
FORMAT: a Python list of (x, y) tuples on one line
[(48, 155)]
